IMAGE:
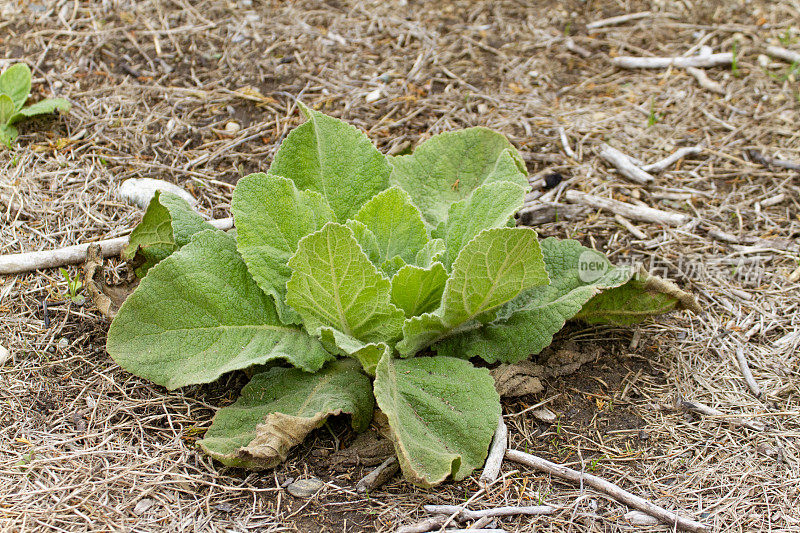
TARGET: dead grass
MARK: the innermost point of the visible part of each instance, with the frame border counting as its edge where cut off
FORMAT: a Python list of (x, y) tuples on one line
[(85, 446)]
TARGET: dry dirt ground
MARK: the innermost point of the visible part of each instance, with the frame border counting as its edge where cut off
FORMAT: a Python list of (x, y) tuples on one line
[(86, 446)]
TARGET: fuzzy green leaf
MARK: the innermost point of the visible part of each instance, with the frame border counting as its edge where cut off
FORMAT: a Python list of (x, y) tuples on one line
[(396, 223), (431, 253), (527, 324), (334, 284), (42, 107), (271, 217), (16, 83), (278, 408), (443, 413), (198, 314), (6, 109), (367, 240), (640, 298), (489, 206), (491, 270), (335, 159), (448, 167), (168, 223), (8, 134), (418, 290)]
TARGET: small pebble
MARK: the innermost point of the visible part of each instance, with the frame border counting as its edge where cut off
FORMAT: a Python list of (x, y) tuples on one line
[(373, 96), (764, 60), (139, 191), (483, 108), (553, 179), (232, 128), (5, 355), (638, 518), (63, 343), (142, 506), (305, 488)]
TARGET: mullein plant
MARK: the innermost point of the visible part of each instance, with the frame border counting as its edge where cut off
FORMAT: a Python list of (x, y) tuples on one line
[(355, 279)]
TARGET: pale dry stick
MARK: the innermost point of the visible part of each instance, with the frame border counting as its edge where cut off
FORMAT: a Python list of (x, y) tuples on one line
[(613, 21), (697, 407), (470, 530), (462, 514), (423, 526), (482, 523), (573, 47), (700, 61), (705, 82), (565, 144), (748, 375), (672, 158), (630, 211), (782, 53), (606, 487), (71, 255), (379, 476), (624, 164), (625, 223), (494, 461)]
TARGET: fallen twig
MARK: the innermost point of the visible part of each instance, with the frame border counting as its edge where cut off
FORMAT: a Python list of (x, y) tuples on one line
[(705, 82), (710, 60), (697, 407), (624, 164), (597, 483), (379, 476), (494, 461), (71, 255), (783, 53), (625, 223), (462, 514), (423, 526), (537, 212), (473, 530), (565, 143), (748, 375), (672, 158), (613, 21), (570, 44), (767, 161), (630, 211)]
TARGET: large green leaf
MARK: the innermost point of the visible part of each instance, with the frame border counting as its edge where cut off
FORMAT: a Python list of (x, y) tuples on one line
[(491, 270), (526, 325), (640, 298), (334, 284), (42, 107), (271, 217), (168, 223), (278, 408), (198, 314), (448, 167), (333, 158), (442, 412), (489, 206), (584, 285), (396, 224), (6, 109), (8, 134), (16, 83), (418, 290)]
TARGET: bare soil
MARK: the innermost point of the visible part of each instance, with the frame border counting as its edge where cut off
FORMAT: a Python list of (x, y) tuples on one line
[(85, 446)]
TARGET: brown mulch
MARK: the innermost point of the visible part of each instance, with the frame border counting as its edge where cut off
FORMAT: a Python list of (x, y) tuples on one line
[(154, 84)]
